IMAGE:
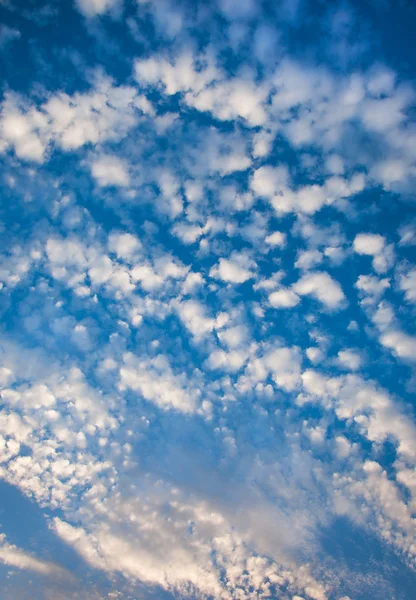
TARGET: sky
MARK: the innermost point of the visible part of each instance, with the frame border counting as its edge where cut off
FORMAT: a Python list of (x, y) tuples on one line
[(207, 300)]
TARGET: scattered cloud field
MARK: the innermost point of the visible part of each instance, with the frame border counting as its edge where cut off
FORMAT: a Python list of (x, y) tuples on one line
[(207, 299)]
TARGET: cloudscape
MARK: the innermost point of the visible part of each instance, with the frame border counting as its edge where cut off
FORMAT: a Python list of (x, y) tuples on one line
[(207, 300)]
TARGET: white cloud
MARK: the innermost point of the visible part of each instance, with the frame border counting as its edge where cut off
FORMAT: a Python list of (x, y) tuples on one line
[(309, 198), (372, 287), (15, 557), (369, 243), (234, 336), (180, 76), (167, 17), (188, 234), (269, 181), (372, 409), (66, 252), (157, 383), (349, 359), (192, 281), (230, 361), (205, 87), (148, 278), (322, 287), (125, 245), (403, 345), (277, 238), (194, 316), (213, 364), (20, 129), (284, 364), (262, 142), (336, 254), (408, 285), (408, 234), (390, 172), (105, 112), (274, 183), (110, 170), (307, 259), (78, 538), (374, 245), (237, 270), (392, 336), (383, 114), (314, 354), (283, 298), (93, 8), (231, 99)]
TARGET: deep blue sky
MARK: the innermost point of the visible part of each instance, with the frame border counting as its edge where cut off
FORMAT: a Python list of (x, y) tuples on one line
[(207, 299)]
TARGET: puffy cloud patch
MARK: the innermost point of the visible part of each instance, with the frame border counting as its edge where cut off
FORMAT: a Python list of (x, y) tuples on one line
[(94, 8), (235, 270), (374, 245), (110, 170), (323, 288), (283, 298)]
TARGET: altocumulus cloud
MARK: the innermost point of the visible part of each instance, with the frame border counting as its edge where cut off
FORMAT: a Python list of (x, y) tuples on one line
[(207, 289)]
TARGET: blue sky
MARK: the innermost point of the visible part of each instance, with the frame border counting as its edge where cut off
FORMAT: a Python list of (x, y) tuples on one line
[(207, 297)]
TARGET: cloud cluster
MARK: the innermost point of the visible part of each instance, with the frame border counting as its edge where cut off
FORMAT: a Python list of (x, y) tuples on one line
[(207, 296)]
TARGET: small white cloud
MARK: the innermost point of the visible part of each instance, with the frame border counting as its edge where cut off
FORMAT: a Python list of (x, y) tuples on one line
[(232, 271), (284, 298), (408, 285), (372, 287), (188, 234), (194, 316), (370, 244), (403, 345), (262, 143), (390, 172), (349, 359), (148, 278), (310, 198), (308, 259), (277, 238), (231, 361), (156, 382), (336, 254), (93, 8), (125, 245), (234, 336), (110, 170), (284, 365), (342, 449), (374, 245), (20, 130), (192, 281), (408, 234), (314, 354), (322, 287), (268, 181)]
